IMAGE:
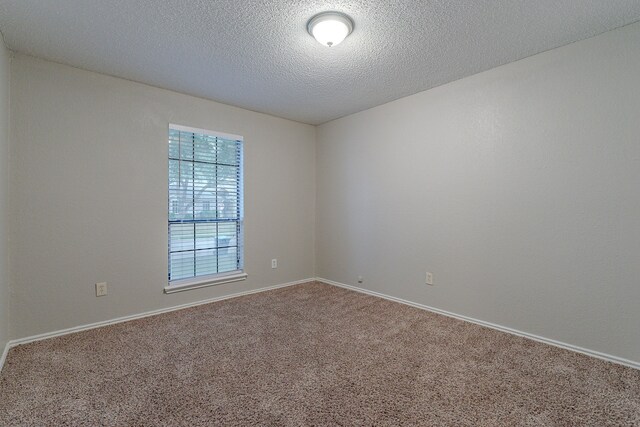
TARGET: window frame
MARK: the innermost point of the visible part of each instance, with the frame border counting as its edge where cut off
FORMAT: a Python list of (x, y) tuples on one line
[(197, 282)]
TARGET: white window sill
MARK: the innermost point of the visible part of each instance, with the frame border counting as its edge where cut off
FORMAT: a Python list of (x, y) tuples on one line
[(203, 282)]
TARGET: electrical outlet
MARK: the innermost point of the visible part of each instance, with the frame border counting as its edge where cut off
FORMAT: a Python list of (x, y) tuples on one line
[(429, 279), (360, 280), (101, 289), (274, 263)]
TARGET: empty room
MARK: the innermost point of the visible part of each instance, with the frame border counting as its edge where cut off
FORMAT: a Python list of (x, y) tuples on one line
[(315, 213)]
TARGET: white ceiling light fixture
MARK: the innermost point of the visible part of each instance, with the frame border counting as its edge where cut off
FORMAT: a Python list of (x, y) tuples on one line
[(330, 28)]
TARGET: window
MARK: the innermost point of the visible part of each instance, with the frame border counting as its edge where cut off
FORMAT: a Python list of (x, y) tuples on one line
[(205, 208)]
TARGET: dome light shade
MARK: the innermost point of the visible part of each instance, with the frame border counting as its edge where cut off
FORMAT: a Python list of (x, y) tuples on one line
[(330, 28)]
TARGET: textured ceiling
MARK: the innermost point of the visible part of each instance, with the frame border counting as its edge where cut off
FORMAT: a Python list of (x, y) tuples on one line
[(257, 54)]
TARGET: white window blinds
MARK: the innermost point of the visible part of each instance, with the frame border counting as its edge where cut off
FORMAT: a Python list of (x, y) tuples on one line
[(205, 204)]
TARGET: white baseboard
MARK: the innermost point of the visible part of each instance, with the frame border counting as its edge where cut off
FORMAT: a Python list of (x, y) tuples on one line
[(592, 353), (86, 327), (4, 355)]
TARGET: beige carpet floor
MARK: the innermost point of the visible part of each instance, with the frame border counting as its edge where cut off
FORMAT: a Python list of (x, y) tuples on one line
[(309, 355)]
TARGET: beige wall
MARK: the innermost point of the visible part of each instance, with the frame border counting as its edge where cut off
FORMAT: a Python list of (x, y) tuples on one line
[(5, 61), (89, 195), (519, 188)]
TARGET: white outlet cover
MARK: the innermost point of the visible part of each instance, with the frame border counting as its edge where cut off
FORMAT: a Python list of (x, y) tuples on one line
[(101, 289), (429, 278)]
